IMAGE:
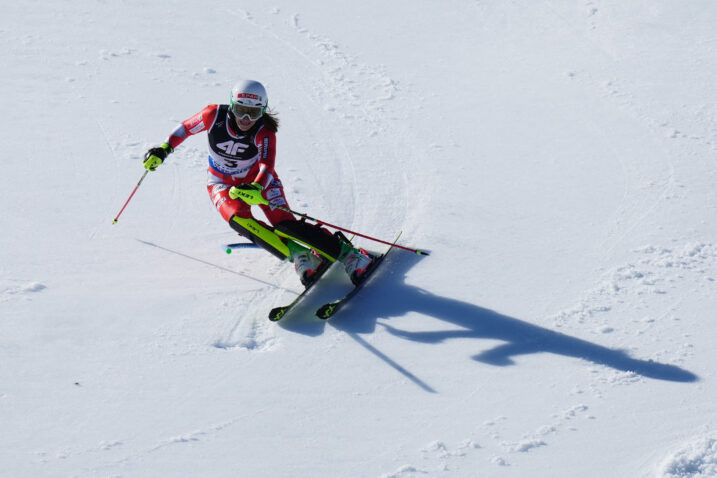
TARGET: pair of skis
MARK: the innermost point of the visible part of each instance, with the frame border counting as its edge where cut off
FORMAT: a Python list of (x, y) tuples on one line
[(329, 309)]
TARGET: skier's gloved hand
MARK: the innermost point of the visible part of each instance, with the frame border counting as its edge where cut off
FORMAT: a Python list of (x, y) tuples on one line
[(249, 193), (155, 156)]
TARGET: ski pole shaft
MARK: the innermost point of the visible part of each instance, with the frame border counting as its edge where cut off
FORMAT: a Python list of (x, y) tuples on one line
[(130, 197), (323, 223)]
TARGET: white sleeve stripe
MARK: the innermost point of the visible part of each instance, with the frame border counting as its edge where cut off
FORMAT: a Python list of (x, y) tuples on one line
[(180, 131)]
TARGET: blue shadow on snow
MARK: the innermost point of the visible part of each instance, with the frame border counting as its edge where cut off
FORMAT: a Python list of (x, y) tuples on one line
[(388, 296)]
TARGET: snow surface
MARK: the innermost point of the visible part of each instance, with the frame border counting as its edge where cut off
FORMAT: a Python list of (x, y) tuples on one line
[(557, 158)]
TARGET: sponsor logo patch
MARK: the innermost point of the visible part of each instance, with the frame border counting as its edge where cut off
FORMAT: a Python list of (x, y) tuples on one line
[(195, 120), (232, 148), (197, 128), (219, 188), (272, 193), (277, 202)]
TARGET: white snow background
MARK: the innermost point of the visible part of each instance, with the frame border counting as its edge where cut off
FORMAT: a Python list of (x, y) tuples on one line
[(558, 158)]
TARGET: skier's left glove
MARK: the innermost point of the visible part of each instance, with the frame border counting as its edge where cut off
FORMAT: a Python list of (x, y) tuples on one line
[(156, 156), (249, 193)]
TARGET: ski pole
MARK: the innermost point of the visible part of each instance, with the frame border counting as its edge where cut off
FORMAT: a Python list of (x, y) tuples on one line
[(130, 197), (323, 223)]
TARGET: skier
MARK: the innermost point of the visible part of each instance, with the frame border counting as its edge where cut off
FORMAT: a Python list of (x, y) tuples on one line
[(242, 150)]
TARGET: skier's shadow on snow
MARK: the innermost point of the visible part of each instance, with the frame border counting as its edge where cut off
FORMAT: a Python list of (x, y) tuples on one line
[(389, 296)]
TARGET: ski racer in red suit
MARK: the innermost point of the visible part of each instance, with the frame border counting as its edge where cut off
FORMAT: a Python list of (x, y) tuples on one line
[(242, 152)]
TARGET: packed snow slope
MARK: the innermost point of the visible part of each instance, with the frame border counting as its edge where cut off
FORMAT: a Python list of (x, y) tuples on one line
[(557, 158)]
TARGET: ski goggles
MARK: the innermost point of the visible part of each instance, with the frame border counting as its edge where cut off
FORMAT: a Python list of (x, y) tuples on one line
[(253, 112)]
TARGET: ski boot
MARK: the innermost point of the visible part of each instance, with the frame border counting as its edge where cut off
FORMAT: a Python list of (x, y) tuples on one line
[(356, 262), (306, 264)]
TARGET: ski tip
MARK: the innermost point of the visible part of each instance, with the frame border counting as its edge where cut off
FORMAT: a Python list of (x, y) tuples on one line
[(277, 313), (326, 311)]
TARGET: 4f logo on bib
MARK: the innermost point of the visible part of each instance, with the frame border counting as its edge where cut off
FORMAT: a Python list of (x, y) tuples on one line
[(232, 148)]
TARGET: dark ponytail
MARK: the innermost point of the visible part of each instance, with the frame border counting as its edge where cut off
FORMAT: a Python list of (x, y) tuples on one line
[(271, 121)]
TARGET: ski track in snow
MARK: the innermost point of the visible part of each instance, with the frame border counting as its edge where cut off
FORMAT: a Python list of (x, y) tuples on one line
[(346, 102), (251, 330), (251, 334), (355, 98)]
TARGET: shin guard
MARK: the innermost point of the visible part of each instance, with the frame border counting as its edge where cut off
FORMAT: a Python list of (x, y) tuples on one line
[(260, 235)]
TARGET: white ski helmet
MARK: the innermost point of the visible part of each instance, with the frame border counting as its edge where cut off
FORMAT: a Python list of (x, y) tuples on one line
[(248, 99)]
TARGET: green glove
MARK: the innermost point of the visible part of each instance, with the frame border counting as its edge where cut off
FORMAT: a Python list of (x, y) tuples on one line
[(249, 193), (155, 156)]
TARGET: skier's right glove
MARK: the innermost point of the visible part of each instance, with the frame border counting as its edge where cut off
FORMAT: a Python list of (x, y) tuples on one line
[(249, 193), (156, 156)]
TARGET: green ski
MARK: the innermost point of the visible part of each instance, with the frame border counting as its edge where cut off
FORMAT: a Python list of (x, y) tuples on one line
[(277, 313), (328, 310)]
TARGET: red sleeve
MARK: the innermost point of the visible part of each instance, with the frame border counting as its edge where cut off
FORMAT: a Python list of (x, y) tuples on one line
[(266, 142), (201, 121)]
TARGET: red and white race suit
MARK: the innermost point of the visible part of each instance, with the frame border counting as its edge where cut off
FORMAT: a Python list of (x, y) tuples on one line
[(236, 157)]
